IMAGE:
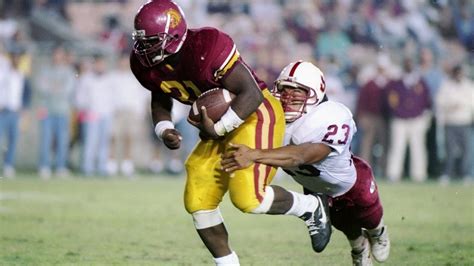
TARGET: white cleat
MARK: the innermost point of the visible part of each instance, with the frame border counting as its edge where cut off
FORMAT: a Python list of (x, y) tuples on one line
[(362, 258), (380, 245)]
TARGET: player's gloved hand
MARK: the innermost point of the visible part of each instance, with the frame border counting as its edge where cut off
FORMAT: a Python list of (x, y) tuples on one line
[(239, 157), (172, 138), (206, 127)]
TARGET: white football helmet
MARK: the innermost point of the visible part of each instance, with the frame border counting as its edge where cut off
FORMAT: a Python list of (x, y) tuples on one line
[(304, 76)]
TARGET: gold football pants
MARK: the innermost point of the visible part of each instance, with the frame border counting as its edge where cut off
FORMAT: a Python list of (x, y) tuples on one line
[(206, 183)]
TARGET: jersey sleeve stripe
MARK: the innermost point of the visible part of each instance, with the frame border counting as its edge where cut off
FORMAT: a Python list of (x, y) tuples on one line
[(228, 63)]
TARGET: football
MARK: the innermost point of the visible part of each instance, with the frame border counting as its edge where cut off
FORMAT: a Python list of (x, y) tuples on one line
[(216, 101)]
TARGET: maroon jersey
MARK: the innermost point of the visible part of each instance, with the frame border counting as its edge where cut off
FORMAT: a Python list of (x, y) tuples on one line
[(207, 56)]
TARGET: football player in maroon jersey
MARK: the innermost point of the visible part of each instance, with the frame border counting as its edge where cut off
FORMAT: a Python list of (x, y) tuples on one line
[(173, 61)]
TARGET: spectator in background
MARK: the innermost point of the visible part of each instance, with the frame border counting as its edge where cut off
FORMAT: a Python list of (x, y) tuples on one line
[(393, 25), (129, 99), (5, 66), (445, 20), (20, 45), (431, 72), (95, 105), (55, 86), (113, 35), (362, 28), (333, 42), (418, 25), (8, 26), (334, 73), (455, 105), (12, 83), (463, 16), (82, 67), (409, 109), (52, 8), (371, 115), (432, 76), (303, 19)]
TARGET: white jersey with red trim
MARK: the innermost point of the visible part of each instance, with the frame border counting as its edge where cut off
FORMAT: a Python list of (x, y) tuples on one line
[(330, 123)]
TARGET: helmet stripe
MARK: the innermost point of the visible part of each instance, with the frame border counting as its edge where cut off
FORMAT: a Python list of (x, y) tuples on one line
[(168, 22), (293, 69), (167, 28)]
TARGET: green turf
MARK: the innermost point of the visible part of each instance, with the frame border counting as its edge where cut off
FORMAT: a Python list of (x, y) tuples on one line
[(143, 222)]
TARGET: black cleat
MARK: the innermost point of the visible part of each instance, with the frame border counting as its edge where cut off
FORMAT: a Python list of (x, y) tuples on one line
[(319, 224)]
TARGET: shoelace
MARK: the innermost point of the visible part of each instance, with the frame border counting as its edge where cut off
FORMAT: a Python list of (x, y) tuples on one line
[(312, 227)]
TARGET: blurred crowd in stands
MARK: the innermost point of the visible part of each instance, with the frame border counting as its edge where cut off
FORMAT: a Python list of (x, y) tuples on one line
[(404, 67)]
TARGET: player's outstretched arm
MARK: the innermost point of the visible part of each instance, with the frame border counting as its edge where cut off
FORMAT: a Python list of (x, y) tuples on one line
[(241, 156)]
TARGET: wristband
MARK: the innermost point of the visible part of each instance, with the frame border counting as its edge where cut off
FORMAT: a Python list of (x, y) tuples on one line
[(162, 126), (228, 122), (219, 128)]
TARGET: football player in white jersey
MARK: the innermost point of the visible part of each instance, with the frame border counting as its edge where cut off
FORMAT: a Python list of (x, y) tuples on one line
[(317, 155)]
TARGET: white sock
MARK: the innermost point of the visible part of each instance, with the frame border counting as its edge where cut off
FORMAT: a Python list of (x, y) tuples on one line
[(377, 230), (357, 244), (302, 204), (230, 260)]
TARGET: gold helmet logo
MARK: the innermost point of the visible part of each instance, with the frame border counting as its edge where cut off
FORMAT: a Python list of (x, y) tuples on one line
[(175, 17)]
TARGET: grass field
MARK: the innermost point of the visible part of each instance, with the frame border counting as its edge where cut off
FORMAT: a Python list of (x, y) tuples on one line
[(143, 222)]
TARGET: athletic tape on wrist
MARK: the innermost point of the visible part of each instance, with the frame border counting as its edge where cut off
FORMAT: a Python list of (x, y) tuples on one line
[(162, 126), (219, 128), (228, 122)]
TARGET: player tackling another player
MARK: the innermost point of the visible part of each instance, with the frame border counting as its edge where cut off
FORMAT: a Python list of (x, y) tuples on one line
[(317, 155), (173, 61)]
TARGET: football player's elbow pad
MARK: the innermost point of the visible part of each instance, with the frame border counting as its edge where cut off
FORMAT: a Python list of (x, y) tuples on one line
[(207, 218), (266, 203)]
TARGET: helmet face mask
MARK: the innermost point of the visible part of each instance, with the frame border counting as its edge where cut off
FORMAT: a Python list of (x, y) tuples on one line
[(294, 99), (160, 31), (152, 50), (299, 86)]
